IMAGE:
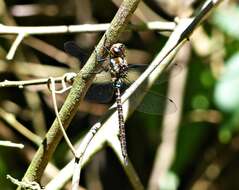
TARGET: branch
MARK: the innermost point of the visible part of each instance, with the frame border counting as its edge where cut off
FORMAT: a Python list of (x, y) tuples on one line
[(66, 78), (97, 143), (81, 84), (24, 31), (45, 30), (15, 44), (11, 144)]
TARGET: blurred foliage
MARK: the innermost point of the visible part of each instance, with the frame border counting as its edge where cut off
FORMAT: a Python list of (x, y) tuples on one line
[(223, 20), (206, 155)]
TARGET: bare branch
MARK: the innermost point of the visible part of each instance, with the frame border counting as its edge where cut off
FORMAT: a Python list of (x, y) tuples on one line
[(68, 77), (11, 144), (52, 88), (15, 44), (46, 30), (23, 31)]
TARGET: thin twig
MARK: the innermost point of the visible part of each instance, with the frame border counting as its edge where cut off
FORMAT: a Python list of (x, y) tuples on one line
[(23, 31), (15, 44), (52, 88), (11, 144), (68, 77), (42, 30), (79, 162)]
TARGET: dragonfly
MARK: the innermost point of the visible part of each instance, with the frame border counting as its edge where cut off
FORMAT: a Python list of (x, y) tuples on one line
[(118, 69)]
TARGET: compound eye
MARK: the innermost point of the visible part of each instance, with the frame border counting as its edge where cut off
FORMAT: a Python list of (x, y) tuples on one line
[(116, 50)]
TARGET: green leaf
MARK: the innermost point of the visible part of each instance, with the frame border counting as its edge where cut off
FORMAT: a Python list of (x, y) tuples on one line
[(227, 88), (227, 20)]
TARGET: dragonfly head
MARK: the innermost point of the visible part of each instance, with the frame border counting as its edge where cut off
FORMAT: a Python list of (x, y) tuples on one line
[(118, 50)]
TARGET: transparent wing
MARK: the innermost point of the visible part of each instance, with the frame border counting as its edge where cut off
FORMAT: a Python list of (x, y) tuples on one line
[(173, 68), (102, 77), (155, 104), (73, 49), (136, 69), (100, 93)]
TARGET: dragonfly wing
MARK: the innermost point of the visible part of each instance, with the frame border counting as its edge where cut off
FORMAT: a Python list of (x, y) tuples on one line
[(102, 77), (173, 68), (155, 104), (74, 50), (100, 93)]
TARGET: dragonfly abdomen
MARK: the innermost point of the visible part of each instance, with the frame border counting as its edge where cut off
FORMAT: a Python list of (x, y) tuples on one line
[(121, 124)]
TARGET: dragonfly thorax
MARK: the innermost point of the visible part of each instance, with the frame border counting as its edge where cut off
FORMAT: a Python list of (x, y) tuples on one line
[(118, 67), (118, 63)]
